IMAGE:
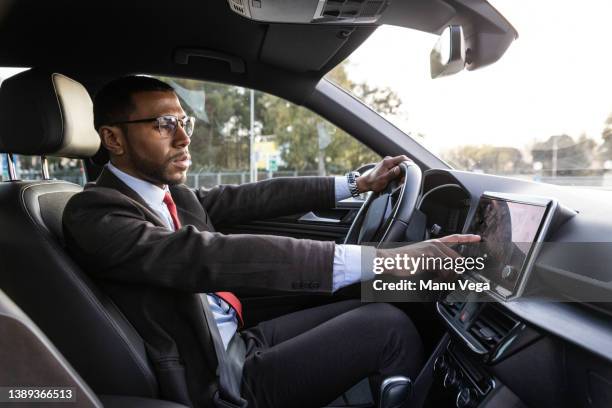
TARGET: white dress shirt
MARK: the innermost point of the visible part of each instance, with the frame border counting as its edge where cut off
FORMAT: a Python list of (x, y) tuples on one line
[(347, 258)]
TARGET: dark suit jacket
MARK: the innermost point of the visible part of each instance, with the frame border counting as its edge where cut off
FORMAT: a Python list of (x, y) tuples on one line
[(152, 273)]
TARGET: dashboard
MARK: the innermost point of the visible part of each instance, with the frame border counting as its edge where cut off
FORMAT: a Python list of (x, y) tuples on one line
[(547, 316), (573, 226)]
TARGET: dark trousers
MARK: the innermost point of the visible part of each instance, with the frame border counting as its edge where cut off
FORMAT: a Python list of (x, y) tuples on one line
[(310, 357)]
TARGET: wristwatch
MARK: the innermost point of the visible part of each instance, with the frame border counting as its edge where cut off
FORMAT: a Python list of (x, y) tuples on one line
[(351, 179)]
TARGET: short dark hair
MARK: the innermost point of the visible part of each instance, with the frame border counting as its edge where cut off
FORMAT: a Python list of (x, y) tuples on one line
[(113, 103)]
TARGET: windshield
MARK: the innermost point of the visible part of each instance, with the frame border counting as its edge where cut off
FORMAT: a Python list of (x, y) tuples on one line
[(543, 112)]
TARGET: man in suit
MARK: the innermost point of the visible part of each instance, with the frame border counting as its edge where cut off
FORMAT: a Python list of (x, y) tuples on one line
[(150, 242)]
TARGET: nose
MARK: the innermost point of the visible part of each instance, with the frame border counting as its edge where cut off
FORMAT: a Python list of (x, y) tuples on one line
[(180, 137)]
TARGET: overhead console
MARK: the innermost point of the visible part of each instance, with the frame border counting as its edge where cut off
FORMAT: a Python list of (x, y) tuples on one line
[(512, 228), (317, 11), (486, 33)]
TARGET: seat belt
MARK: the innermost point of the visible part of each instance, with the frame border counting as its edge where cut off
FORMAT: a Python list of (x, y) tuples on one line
[(229, 370)]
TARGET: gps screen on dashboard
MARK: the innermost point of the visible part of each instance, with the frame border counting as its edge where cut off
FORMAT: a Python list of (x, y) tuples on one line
[(508, 230)]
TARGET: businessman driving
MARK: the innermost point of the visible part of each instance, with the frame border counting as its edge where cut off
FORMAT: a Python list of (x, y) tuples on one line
[(150, 241)]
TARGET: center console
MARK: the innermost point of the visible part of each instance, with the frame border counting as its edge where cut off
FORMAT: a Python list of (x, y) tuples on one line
[(463, 380), (481, 335), (482, 331)]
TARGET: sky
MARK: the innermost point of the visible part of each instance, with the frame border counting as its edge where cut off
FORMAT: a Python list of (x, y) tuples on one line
[(555, 78)]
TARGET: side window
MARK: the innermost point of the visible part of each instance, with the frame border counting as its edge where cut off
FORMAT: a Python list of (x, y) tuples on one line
[(288, 140), (29, 168), (72, 170)]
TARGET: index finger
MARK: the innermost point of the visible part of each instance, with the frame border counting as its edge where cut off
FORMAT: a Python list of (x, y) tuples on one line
[(460, 238), (446, 250)]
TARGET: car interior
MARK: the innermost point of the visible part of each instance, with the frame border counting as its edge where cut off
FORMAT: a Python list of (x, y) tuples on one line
[(532, 339)]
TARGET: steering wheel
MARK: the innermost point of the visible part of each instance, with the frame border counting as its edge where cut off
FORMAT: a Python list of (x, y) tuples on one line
[(385, 216)]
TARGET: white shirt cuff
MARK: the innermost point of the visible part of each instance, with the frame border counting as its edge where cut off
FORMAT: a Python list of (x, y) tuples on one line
[(349, 267), (341, 188)]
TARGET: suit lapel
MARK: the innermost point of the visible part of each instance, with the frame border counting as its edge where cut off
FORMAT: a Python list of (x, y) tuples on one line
[(108, 180), (190, 210)]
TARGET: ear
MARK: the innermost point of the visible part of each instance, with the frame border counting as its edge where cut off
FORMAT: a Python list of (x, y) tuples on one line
[(113, 139)]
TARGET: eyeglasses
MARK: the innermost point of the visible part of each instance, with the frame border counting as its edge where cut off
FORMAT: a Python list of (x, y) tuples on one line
[(167, 124)]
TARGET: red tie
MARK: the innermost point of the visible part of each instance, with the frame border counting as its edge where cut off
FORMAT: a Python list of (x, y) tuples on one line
[(172, 209), (228, 297)]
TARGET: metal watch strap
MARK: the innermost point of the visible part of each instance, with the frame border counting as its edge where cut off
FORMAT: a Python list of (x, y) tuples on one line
[(351, 179)]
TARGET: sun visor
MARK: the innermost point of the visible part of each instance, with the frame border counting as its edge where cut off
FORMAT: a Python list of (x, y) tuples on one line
[(290, 46)]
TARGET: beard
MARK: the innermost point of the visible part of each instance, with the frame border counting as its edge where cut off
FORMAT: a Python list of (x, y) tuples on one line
[(157, 173)]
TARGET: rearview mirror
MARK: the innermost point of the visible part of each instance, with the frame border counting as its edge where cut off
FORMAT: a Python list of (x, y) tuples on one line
[(448, 55)]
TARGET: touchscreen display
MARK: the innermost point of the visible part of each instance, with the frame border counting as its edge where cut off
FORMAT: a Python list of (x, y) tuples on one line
[(508, 230)]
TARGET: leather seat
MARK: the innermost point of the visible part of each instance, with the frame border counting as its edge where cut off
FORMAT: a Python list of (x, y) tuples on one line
[(28, 358), (48, 114)]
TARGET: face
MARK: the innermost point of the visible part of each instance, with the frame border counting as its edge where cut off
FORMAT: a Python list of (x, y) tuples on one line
[(141, 150)]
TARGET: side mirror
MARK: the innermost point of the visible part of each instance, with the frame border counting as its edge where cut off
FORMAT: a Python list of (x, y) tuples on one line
[(448, 55)]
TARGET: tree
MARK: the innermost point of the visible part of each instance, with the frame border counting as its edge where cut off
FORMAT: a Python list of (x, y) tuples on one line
[(563, 156), (605, 150), (382, 100), (295, 129), (221, 136), (222, 127), (486, 158), (297, 134)]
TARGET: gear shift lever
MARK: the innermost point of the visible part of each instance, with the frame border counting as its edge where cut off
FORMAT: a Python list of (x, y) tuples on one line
[(394, 392)]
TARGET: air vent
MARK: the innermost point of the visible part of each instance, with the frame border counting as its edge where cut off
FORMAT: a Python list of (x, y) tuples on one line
[(371, 9), (492, 326), (452, 308), (239, 7), (351, 9)]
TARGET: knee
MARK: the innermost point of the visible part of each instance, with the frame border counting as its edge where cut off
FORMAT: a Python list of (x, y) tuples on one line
[(397, 324), (392, 316)]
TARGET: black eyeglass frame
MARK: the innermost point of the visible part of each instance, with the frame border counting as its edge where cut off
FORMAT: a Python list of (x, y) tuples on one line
[(158, 119)]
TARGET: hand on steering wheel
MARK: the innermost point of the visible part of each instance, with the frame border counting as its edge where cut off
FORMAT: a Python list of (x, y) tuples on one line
[(386, 213), (382, 174)]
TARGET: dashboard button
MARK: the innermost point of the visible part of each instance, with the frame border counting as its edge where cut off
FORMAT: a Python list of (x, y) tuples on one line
[(452, 378), (466, 398), (440, 364), (509, 272)]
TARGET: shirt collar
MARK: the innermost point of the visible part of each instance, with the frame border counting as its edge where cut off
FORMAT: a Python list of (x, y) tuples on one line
[(149, 192)]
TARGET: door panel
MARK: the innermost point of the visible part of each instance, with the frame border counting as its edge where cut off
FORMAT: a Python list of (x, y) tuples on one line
[(322, 225)]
